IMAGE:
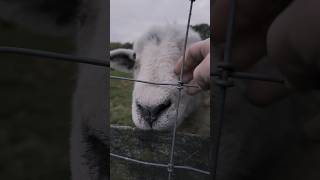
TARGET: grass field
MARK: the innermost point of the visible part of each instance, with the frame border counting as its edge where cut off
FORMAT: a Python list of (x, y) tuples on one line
[(120, 100)]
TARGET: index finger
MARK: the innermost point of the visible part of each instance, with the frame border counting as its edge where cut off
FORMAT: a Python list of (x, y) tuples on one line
[(194, 55)]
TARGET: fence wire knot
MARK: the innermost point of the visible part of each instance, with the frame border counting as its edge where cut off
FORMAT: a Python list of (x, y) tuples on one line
[(170, 167), (180, 85), (223, 74)]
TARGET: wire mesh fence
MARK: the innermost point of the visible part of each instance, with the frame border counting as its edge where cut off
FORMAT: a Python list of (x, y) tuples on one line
[(179, 85), (222, 73)]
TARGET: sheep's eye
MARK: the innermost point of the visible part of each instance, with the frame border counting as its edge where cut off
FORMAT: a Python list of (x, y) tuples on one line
[(134, 56)]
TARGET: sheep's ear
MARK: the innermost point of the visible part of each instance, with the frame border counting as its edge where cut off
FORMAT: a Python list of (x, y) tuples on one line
[(122, 60)]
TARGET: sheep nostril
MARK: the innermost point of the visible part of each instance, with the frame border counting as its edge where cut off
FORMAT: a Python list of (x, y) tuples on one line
[(156, 111), (151, 113)]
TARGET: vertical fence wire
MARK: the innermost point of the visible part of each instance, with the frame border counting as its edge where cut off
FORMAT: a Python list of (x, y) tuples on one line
[(180, 87), (223, 83), (223, 76)]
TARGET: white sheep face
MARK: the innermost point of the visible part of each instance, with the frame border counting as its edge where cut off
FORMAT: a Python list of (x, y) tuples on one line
[(153, 59)]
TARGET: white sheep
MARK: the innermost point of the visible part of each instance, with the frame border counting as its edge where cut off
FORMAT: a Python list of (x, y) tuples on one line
[(253, 138), (153, 58)]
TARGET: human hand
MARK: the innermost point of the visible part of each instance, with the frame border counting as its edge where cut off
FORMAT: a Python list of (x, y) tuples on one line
[(286, 34), (196, 66)]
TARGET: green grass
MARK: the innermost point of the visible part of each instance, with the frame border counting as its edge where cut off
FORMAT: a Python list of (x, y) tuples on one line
[(120, 100)]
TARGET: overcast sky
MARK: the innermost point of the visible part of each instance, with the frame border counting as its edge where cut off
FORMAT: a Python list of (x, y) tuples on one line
[(129, 18)]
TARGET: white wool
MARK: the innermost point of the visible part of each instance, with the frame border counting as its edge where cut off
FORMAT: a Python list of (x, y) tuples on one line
[(157, 51)]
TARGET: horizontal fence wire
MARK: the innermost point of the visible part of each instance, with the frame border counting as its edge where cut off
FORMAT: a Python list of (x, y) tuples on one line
[(251, 76), (257, 77), (54, 55), (158, 165), (153, 83)]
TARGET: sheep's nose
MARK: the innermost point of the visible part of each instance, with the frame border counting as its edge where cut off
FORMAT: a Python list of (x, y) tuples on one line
[(151, 113)]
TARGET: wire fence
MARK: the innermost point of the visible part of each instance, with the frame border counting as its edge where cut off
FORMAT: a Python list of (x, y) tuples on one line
[(222, 75), (180, 85)]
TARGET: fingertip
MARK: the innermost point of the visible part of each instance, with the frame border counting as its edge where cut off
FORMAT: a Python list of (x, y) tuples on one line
[(201, 74), (201, 79)]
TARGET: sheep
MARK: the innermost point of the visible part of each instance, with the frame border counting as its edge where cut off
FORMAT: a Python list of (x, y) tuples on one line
[(152, 59), (85, 23), (254, 138)]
